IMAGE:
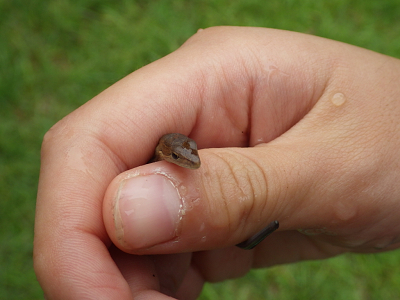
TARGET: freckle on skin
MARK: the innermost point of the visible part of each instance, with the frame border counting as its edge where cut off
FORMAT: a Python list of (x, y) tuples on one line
[(338, 99)]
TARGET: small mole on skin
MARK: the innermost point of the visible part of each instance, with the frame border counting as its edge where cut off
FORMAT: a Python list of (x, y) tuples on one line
[(338, 99)]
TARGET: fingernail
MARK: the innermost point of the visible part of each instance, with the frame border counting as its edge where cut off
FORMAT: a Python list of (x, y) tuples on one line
[(147, 211)]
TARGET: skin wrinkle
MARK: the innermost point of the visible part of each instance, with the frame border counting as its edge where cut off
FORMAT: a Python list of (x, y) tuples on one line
[(251, 191), (236, 120), (264, 99), (223, 81), (222, 106), (250, 101), (126, 122), (226, 157), (248, 184), (262, 183), (78, 219), (245, 214), (220, 177), (200, 92), (315, 95), (166, 118), (115, 158), (226, 205), (106, 137), (251, 183), (256, 63), (280, 192)]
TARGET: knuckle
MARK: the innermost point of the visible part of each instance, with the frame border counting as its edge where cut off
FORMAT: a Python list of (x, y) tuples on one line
[(57, 137), (50, 138)]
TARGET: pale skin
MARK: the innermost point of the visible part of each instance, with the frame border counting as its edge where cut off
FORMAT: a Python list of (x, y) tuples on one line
[(290, 127)]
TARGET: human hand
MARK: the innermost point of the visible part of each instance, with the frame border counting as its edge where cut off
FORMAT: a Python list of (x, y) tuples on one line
[(300, 129)]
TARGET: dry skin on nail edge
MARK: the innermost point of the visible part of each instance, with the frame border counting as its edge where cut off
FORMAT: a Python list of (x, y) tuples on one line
[(119, 229)]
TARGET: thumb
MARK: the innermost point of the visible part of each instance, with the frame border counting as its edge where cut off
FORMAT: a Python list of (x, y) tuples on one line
[(163, 208)]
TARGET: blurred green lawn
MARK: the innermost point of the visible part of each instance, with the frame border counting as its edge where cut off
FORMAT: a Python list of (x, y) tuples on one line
[(56, 55)]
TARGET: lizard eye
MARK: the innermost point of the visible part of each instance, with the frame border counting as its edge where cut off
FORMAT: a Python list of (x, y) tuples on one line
[(174, 156)]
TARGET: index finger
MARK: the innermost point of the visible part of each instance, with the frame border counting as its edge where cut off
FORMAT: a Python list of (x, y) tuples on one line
[(80, 156)]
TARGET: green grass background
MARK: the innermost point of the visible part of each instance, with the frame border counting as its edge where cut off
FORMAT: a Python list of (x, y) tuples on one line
[(56, 55)]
